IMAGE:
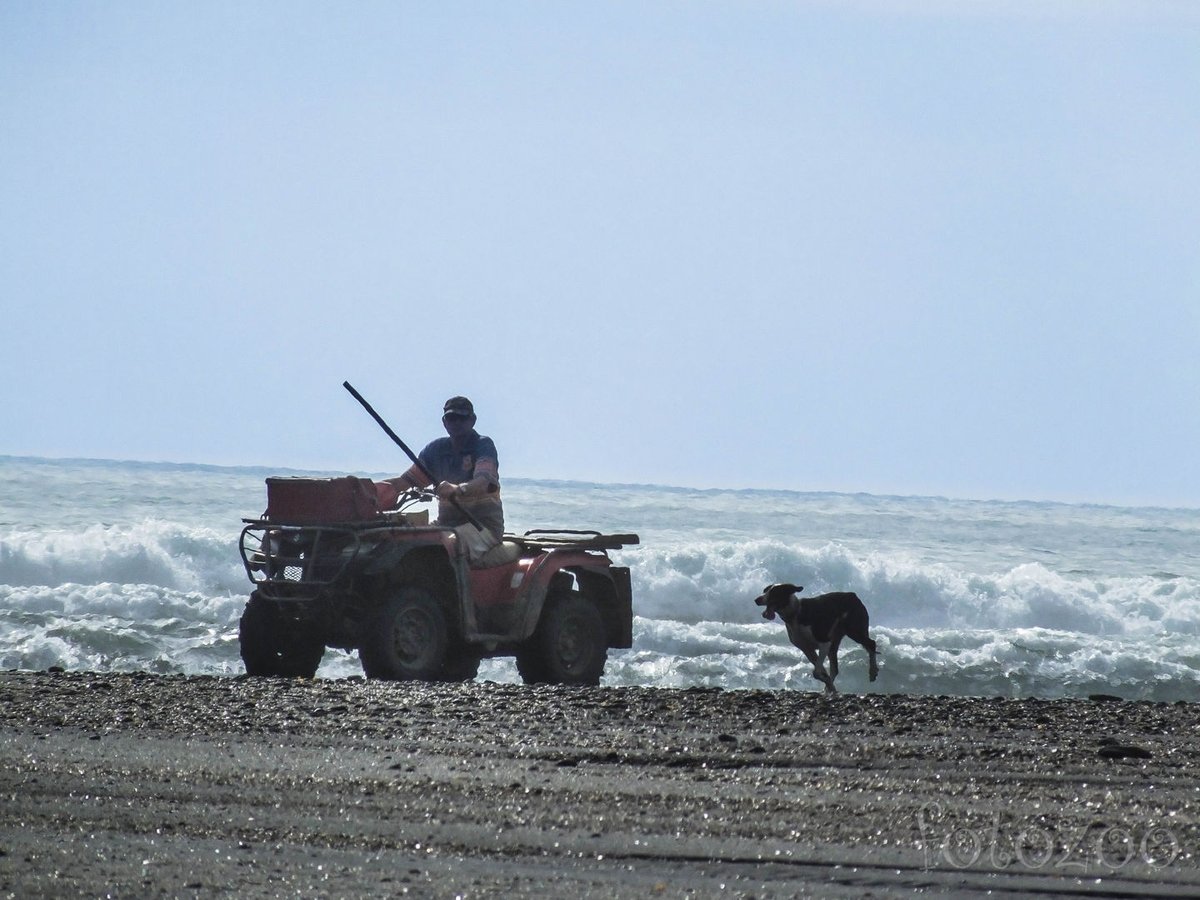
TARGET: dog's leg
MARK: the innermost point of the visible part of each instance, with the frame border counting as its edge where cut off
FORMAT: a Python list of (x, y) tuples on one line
[(836, 633), (802, 637), (827, 656), (858, 629), (819, 672), (823, 676), (823, 651), (872, 662), (833, 651), (869, 646)]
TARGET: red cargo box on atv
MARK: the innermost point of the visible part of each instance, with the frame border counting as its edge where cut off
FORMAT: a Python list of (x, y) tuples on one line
[(312, 501)]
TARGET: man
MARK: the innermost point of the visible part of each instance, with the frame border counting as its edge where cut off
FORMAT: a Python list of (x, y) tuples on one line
[(465, 469)]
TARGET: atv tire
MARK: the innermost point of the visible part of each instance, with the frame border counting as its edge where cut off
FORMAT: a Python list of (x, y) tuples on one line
[(570, 645), (406, 639), (273, 644)]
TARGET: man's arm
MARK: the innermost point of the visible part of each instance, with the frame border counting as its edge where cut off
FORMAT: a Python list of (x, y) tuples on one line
[(484, 480), (388, 491), (410, 479)]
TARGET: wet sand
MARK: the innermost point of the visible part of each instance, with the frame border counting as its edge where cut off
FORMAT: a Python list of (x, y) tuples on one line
[(143, 786)]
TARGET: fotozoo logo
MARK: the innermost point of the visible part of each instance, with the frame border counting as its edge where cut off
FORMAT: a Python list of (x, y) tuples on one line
[(1095, 847)]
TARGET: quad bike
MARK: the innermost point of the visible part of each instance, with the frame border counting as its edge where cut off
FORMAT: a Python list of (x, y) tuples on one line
[(331, 570)]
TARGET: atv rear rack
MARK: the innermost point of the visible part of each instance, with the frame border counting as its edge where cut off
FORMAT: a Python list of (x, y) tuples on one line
[(567, 539)]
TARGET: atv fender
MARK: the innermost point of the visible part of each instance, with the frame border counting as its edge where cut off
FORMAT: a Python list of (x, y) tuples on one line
[(611, 592), (594, 577)]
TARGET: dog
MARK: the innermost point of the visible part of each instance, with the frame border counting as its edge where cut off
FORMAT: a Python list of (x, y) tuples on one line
[(817, 625)]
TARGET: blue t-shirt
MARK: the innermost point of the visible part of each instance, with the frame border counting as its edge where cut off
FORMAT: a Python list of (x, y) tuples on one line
[(477, 456), (445, 463)]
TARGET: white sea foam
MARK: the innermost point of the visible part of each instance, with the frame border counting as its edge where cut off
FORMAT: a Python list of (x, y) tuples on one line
[(150, 552), (714, 582), (965, 597)]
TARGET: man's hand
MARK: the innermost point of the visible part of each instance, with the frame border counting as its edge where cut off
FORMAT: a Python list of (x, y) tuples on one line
[(445, 490)]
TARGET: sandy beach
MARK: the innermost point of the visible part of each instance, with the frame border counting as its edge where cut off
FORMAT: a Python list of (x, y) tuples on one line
[(132, 785)]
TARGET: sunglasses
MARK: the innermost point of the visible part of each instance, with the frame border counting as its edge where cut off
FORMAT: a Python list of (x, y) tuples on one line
[(455, 417)]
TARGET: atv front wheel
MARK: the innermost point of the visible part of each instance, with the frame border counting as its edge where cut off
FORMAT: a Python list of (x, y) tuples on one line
[(273, 644), (570, 645), (406, 639)]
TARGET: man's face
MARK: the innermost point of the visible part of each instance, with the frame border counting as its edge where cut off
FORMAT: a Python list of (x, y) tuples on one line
[(457, 425)]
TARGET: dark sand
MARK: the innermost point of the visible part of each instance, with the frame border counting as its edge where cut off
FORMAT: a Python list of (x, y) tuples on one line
[(140, 786)]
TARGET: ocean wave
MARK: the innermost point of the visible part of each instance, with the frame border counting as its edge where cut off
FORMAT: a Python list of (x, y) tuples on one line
[(718, 581), (1025, 662), (117, 627), (152, 552), (100, 569), (110, 628)]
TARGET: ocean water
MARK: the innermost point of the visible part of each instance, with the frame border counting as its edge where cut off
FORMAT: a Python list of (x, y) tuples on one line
[(127, 566)]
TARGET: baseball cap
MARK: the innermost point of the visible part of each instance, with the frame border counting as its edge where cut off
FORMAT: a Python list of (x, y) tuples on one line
[(458, 406)]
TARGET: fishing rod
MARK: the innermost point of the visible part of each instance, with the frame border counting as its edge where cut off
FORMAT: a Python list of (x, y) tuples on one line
[(403, 446)]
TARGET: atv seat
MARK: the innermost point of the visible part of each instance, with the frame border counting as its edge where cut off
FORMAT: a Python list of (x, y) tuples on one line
[(502, 554)]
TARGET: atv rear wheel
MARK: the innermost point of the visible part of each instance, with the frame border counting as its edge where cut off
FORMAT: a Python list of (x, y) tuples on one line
[(273, 644), (406, 639), (570, 645)]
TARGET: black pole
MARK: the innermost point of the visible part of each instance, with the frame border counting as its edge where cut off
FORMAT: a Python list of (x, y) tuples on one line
[(403, 446)]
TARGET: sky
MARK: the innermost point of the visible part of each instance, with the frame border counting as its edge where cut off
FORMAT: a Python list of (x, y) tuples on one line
[(930, 248)]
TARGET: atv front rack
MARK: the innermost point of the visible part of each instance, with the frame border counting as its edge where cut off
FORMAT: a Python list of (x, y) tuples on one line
[(298, 555)]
